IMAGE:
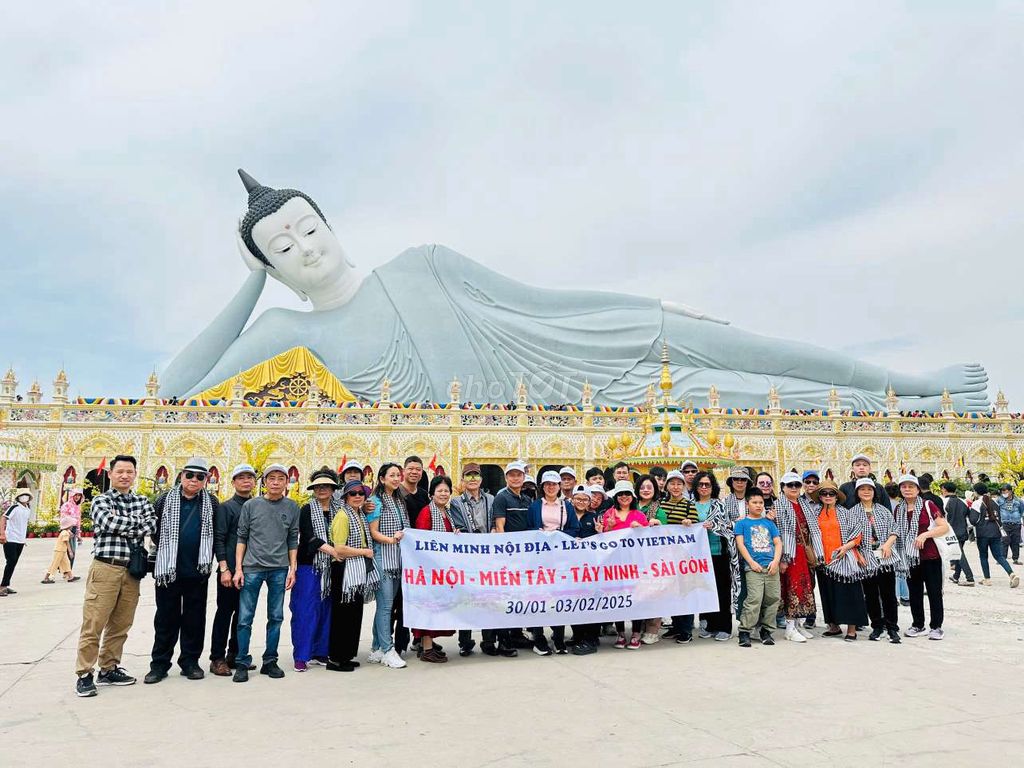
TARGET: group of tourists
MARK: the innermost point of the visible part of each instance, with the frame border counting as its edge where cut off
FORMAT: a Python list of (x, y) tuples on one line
[(771, 547)]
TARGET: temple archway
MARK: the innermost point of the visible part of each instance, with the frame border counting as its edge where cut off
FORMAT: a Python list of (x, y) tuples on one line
[(97, 481), (492, 477)]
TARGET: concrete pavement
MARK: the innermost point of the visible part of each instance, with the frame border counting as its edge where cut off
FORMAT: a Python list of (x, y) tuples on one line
[(955, 702)]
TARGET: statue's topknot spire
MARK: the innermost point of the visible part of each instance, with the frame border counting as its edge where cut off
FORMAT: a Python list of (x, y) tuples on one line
[(250, 183)]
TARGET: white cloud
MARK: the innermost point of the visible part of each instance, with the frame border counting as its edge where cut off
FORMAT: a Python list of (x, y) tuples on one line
[(859, 166)]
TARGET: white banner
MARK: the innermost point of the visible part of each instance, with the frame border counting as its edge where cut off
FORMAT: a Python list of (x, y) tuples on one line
[(533, 578)]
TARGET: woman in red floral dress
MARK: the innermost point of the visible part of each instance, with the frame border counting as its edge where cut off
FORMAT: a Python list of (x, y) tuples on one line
[(791, 511)]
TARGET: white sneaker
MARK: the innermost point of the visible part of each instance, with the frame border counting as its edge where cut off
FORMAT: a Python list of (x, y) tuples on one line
[(936, 634), (393, 660), (804, 632), (650, 638), (722, 636), (704, 634), (795, 635), (915, 632), (1014, 580), (375, 657)]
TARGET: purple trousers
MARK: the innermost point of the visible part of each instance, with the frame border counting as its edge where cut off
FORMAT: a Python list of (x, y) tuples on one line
[(311, 616)]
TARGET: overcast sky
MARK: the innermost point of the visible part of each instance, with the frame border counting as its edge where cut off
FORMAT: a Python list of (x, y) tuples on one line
[(847, 174)]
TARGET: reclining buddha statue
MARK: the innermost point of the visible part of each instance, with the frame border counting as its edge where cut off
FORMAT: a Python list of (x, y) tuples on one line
[(431, 314)]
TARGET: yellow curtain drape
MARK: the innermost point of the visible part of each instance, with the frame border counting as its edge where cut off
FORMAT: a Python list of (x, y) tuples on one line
[(295, 361)]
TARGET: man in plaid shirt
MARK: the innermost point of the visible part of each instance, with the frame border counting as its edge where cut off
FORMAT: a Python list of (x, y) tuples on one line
[(120, 518)]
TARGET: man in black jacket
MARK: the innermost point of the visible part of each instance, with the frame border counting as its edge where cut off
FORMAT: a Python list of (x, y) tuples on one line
[(224, 636), (184, 553), (861, 466), (957, 515)]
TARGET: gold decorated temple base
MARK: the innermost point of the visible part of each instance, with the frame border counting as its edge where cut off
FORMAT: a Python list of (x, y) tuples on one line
[(305, 433)]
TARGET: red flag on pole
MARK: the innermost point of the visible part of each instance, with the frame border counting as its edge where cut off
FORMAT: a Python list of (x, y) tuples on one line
[(103, 466), (432, 466), (342, 465)]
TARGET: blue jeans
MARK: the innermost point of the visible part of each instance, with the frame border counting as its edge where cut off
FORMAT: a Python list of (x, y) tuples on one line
[(902, 590), (250, 593), (986, 543), (386, 591)]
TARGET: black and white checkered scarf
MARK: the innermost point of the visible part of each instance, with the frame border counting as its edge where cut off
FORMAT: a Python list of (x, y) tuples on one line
[(438, 516), (732, 506), (393, 518), (321, 521), (361, 577), (881, 525), (854, 565), (166, 568), (785, 518), (907, 529)]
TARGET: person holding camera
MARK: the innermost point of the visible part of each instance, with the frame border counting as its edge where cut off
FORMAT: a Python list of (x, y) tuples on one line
[(120, 520)]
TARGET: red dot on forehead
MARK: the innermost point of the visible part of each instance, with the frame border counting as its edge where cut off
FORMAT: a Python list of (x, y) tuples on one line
[(287, 226)]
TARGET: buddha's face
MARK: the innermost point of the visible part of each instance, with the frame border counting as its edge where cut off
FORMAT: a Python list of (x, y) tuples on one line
[(304, 252)]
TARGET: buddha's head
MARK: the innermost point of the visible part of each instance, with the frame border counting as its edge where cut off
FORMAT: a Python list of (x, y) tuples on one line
[(284, 232)]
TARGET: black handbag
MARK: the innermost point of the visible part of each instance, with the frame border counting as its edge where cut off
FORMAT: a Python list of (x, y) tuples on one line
[(138, 561)]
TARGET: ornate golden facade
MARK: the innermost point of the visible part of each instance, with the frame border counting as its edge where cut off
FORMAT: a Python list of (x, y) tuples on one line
[(308, 435)]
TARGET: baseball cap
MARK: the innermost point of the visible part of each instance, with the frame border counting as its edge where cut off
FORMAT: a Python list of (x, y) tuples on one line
[(241, 469)]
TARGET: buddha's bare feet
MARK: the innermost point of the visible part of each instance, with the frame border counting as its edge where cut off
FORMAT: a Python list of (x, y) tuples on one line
[(965, 379)]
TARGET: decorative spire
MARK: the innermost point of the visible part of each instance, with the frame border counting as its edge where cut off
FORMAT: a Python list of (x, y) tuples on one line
[(834, 404), (8, 386), (152, 385), (713, 398), (666, 372), (454, 392), (774, 401), (1002, 405), (237, 391), (947, 402), (35, 393), (521, 392), (588, 394), (60, 387), (313, 396), (385, 390), (892, 402)]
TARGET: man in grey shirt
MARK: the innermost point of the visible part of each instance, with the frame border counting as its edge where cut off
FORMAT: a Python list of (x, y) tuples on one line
[(471, 513), (268, 541)]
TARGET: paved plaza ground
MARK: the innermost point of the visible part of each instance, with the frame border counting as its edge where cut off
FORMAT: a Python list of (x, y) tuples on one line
[(955, 702)]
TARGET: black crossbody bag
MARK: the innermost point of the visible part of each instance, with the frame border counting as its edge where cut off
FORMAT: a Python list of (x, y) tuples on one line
[(138, 560)]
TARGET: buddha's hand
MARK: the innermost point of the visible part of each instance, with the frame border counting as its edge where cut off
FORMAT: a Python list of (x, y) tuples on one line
[(254, 264)]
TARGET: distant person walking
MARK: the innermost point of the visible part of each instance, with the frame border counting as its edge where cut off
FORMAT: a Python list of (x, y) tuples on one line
[(13, 533)]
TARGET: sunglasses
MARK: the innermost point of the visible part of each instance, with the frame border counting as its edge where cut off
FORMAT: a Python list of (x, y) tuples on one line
[(471, 476), (194, 475), (765, 483), (792, 485), (355, 493), (811, 482), (826, 494), (689, 471), (704, 485)]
